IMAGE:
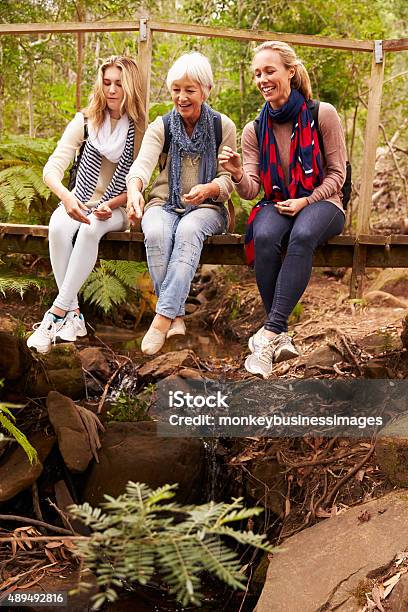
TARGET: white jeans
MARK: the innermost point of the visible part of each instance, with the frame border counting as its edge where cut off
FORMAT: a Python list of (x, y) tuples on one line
[(72, 264)]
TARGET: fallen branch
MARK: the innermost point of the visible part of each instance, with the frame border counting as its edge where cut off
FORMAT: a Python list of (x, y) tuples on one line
[(110, 381), (329, 498), (30, 521)]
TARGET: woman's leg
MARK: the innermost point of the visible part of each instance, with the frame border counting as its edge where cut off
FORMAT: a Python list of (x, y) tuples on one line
[(271, 231), (312, 226), (159, 227), (60, 234), (83, 257), (190, 234)]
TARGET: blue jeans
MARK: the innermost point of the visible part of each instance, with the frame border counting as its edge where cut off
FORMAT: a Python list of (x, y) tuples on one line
[(173, 247), (282, 281)]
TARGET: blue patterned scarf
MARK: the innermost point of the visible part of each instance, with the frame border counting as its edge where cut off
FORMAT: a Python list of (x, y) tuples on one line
[(202, 143)]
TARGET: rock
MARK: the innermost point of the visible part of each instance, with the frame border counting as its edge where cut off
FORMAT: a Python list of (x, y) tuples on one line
[(165, 365), (379, 342), (391, 451), (14, 357), (398, 600), (16, 471), (404, 333), (265, 483), (376, 368), (72, 435), (190, 308), (322, 567), (94, 361), (59, 370), (8, 324), (134, 451), (322, 358)]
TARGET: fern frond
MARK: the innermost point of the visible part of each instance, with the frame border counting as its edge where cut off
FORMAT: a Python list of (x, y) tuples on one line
[(20, 284), (138, 533), (125, 271), (18, 435), (103, 289)]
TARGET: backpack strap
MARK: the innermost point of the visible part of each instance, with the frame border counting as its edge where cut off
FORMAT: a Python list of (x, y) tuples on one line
[(167, 135), (313, 106)]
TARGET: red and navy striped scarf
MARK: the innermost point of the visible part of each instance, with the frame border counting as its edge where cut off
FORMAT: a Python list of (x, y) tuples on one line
[(305, 165)]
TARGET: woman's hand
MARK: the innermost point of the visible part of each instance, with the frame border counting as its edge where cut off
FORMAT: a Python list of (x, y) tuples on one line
[(135, 203), (291, 207), (74, 208), (230, 160), (103, 212), (200, 193)]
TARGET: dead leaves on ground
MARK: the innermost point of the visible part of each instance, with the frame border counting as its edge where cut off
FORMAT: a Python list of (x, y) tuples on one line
[(25, 560)]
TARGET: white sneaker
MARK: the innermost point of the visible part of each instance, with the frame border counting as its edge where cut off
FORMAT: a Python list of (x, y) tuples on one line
[(74, 327), (284, 346), (261, 361), (45, 333)]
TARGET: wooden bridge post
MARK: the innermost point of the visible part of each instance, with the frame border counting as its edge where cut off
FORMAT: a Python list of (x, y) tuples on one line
[(145, 65), (368, 168)]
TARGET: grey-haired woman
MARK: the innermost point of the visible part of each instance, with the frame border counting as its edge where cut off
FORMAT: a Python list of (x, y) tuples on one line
[(186, 201)]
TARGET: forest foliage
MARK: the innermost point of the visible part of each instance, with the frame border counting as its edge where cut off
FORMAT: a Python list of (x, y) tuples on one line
[(38, 72)]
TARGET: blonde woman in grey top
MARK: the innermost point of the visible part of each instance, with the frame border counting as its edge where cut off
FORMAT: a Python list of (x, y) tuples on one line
[(186, 201)]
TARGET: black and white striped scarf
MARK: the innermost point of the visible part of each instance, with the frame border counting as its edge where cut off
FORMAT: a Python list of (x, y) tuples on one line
[(90, 166)]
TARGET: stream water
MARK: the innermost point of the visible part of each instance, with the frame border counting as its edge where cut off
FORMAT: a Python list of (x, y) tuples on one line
[(205, 343)]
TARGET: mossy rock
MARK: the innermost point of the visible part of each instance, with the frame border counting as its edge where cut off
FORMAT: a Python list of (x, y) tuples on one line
[(59, 370), (392, 451)]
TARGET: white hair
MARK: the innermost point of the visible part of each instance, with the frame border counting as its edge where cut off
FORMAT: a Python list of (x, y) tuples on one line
[(196, 67)]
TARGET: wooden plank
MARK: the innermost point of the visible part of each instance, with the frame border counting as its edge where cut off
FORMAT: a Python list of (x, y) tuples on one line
[(324, 42), (367, 174), (260, 36), (370, 146), (68, 27), (358, 269), (395, 44), (145, 66)]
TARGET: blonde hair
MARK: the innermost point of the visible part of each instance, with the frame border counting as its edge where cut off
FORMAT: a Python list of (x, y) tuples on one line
[(300, 79), (196, 67), (132, 102)]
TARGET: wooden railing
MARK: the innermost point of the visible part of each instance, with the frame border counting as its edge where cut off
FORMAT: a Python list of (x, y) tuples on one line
[(365, 249)]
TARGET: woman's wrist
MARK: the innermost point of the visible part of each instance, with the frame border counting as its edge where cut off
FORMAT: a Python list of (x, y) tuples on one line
[(237, 176)]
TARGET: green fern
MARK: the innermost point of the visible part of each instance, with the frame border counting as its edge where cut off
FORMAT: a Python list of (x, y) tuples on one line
[(108, 285), (21, 184), (20, 284), (6, 422), (142, 532)]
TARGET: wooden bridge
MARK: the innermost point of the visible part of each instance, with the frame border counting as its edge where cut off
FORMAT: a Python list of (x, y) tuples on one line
[(381, 251), (359, 251)]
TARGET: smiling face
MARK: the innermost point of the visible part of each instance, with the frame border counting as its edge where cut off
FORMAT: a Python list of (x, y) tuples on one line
[(272, 78), (188, 98), (112, 90)]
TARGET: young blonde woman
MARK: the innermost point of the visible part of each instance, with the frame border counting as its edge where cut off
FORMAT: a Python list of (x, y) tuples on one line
[(96, 205), (302, 203)]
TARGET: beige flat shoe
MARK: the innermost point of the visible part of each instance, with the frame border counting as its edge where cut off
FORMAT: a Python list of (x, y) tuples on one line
[(177, 328), (153, 341)]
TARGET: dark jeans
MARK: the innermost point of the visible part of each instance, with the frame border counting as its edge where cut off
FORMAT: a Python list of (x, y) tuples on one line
[(281, 282)]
